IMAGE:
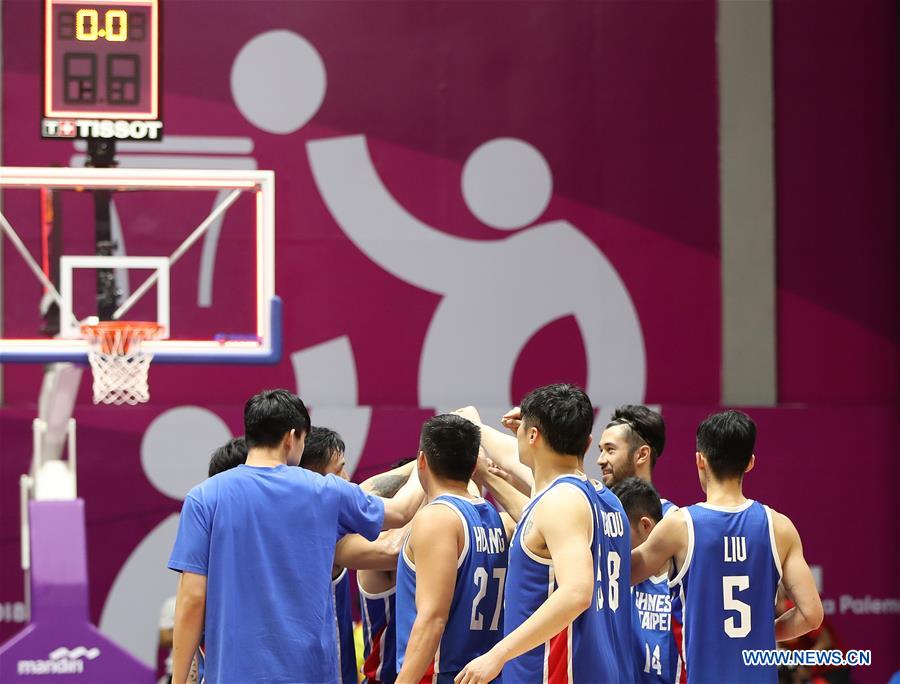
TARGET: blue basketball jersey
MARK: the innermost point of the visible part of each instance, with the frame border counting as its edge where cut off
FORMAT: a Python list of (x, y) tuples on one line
[(727, 585), (475, 622), (655, 655), (596, 647), (343, 622), (380, 635)]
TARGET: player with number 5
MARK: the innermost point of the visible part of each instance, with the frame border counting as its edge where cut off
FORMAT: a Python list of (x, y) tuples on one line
[(730, 553)]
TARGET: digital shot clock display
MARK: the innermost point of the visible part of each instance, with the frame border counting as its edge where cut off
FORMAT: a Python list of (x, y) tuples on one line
[(101, 69)]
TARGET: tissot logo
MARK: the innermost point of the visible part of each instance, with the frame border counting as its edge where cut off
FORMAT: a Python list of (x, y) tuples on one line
[(59, 128), (101, 128), (62, 661)]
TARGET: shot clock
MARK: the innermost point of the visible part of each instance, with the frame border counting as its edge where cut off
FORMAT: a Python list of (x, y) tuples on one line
[(101, 69)]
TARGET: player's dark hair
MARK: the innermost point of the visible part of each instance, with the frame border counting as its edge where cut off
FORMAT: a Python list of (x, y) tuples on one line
[(450, 443), (639, 498), (726, 440), (321, 444), (401, 462), (269, 415), (564, 416), (645, 427), (229, 455)]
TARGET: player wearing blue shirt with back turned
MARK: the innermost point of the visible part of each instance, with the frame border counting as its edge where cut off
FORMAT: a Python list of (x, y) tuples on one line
[(730, 553), (452, 568), (255, 547), (323, 453), (568, 608)]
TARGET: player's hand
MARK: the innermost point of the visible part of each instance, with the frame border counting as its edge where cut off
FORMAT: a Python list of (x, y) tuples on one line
[(494, 469), (470, 413), (482, 670), (512, 419), (482, 467)]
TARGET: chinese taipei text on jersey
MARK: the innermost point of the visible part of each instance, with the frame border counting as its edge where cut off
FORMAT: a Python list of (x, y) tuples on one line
[(475, 622), (727, 585), (380, 634), (343, 618), (596, 648), (655, 656)]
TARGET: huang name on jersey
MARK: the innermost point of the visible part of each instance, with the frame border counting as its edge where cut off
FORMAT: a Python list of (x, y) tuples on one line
[(489, 540)]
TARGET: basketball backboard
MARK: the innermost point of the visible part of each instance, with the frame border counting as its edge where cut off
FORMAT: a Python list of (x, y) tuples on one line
[(162, 218)]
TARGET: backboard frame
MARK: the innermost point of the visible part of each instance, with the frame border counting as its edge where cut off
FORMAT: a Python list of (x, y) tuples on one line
[(265, 349)]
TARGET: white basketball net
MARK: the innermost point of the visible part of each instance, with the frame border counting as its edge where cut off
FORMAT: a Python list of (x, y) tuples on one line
[(119, 365)]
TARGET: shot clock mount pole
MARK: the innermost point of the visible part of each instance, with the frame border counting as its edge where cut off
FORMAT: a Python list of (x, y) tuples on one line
[(102, 155)]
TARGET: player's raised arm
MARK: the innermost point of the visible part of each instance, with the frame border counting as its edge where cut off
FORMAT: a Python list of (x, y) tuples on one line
[(798, 582), (503, 450), (488, 475), (386, 484), (355, 551), (434, 542), (565, 522), (400, 509), (512, 419), (358, 553), (669, 539)]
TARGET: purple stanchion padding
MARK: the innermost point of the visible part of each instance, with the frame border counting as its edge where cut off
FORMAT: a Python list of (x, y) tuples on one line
[(60, 644)]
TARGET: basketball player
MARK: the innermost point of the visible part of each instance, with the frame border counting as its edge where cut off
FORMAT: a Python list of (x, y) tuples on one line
[(730, 553), (255, 547), (655, 658), (568, 610), (631, 444), (378, 593), (378, 607), (230, 455), (624, 450), (452, 568), (324, 454)]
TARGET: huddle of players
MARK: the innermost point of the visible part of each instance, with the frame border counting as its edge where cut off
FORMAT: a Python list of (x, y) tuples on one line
[(541, 592), (553, 603)]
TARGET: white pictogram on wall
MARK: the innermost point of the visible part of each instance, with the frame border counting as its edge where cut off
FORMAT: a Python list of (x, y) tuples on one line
[(496, 293), (326, 379)]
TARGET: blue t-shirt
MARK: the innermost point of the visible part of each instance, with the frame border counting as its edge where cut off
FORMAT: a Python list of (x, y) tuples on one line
[(265, 539)]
